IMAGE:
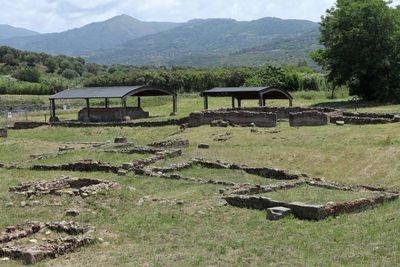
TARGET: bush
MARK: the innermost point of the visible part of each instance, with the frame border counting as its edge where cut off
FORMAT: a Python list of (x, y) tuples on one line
[(69, 74), (27, 74)]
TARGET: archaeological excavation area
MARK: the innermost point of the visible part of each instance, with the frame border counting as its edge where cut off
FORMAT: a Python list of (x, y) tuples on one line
[(245, 186)]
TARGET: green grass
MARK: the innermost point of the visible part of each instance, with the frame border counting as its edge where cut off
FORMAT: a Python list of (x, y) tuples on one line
[(316, 195), (201, 232)]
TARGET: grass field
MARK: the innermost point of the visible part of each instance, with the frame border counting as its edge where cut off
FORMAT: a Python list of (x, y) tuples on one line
[(201, 232)]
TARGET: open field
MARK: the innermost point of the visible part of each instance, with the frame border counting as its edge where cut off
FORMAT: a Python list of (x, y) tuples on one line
[(141, 227), (161, 107)]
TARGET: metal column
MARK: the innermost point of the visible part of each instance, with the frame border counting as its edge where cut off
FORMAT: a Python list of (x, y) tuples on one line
[(88, 108), (205, 102)]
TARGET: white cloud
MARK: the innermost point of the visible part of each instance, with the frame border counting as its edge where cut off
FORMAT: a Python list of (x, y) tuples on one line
[(58, 15)]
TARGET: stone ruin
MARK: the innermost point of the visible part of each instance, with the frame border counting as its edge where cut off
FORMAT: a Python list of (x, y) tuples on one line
[(297, 116), (308, 118), (80, 166), (248, 198), (3, 132), (233, 117), (74, 237), (171, 143), (246, 195), (82, 187)]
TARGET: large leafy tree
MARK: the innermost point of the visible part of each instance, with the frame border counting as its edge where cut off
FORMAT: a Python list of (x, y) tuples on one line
[(360, 51)]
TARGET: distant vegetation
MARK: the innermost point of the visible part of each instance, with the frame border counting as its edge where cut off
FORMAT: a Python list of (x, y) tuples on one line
[(38, 73), (361, 40)]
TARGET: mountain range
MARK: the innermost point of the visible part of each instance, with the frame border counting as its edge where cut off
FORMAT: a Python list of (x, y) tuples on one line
[(198, 43)]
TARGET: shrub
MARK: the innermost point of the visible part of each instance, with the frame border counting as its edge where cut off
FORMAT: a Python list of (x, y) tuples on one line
[(27, 74), (69, 74)]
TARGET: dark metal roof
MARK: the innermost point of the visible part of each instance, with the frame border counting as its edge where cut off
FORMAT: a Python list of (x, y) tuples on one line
[(249, 92), (110, 92)]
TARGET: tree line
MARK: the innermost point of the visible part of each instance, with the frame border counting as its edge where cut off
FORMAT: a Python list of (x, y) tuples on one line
[(39, 73)]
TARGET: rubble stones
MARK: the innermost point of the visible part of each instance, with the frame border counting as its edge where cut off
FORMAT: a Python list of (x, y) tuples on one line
[(3, 132), (277, 213), (340, 123), (51, 248), (120, 140), (72, 213), (219, 123), (171, 143), (64, 186), (203, 146)]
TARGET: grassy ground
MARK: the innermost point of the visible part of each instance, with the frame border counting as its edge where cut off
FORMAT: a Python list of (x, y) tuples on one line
[(161, 107), (201, 232)]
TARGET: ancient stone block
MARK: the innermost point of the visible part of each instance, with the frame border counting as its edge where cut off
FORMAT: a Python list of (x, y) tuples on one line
[(234, 117), (3, 132), (120, 140), (308, 118), (340, 123), (204, 146), (277, 213)]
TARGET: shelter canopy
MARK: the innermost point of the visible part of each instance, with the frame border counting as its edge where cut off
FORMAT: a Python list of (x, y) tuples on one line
[(239, 93), (110, 92)]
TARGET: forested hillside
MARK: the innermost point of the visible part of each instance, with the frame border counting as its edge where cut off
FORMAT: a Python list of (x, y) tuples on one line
[(24, 72), (196, 43)]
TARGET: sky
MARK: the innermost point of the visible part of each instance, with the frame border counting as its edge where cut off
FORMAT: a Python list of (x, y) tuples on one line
[(59, 15)]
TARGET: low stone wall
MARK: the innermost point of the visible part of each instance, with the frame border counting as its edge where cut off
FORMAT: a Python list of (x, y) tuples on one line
[(21, 125), (111, 114), (82, 187), (308, 118), (283, 112), (82, 166), (77, 124), (362, 120), (49, 248), (237, 117)]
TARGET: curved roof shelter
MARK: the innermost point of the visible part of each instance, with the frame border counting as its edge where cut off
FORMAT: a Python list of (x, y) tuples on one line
[(239, 93), (121, 92), (111, 92)]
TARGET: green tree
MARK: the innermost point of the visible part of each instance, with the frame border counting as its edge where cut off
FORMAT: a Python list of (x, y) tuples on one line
[(360, 47), (27, 74)]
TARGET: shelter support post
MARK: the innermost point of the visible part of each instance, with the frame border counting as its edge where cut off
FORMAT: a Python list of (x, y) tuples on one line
[(261, 101), (88, 108), (264, 103), (239, 103), (174, 105), (233, 102), (205, 102), (53, 109), (106, 103), (138, 102), (290, 102), (123, 108)]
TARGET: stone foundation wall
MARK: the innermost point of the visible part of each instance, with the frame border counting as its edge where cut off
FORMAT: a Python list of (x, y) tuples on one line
[(77, 124), (308, 118), (21, 125), (283, 112), (362, 120), (237, 117), (111, 114)]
